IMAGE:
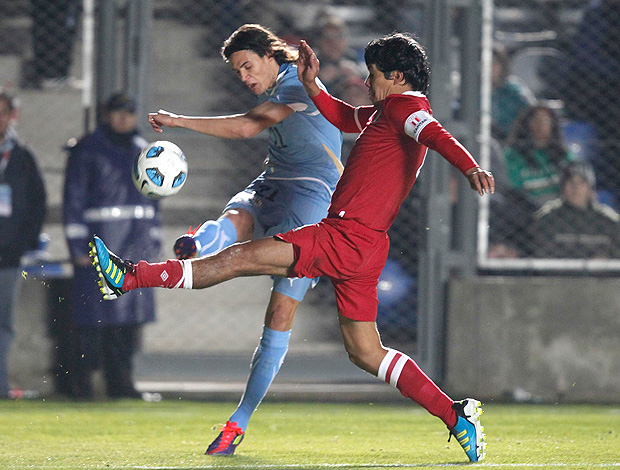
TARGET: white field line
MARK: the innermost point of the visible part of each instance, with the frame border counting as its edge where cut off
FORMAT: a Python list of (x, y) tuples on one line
[(396, 465), (376, 466)]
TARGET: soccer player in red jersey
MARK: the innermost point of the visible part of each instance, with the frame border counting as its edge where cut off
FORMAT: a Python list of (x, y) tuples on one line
[(349, 246)]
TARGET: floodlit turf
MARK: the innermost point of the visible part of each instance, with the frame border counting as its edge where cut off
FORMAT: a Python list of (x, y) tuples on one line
[(174, 435)]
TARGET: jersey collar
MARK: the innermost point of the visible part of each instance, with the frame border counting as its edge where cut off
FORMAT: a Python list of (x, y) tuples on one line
[(419, 94)]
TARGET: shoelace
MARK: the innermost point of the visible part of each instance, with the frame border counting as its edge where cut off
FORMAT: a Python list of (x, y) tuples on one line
[(192, 232), (229, 432)]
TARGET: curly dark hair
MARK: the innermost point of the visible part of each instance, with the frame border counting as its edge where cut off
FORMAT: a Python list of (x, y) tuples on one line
[(401, 52), (522, 141), (260, 40)]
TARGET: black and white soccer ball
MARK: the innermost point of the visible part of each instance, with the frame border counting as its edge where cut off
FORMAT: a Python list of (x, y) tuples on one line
[(160, 170)]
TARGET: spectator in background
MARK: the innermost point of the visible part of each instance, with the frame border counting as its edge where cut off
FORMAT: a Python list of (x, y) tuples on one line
[(100, 197), (589, 84), (531, 161), (22, 212), (575, 225), (535, 153), (54, 24), (341, 70), (508, 97)]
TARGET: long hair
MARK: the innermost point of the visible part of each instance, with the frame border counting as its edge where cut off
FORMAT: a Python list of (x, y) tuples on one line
[(522, 140), (401, 52), (261, 41)]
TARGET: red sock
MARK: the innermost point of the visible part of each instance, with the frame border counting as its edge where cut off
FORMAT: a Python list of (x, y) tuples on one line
[(402, 372), (168, 274)]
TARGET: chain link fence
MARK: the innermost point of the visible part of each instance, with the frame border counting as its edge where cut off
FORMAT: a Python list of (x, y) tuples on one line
[(555, 115), (554, 102)]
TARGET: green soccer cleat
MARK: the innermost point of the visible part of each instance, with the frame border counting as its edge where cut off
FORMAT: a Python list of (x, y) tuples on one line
[(468, 431), (111, 269)]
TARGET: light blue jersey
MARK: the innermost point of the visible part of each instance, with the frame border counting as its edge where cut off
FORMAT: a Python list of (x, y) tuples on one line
[(303, 168), (299, 179), (304, 145)]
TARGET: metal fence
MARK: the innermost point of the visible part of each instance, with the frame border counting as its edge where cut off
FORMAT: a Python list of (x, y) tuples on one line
[(555, 147), (560, 58)]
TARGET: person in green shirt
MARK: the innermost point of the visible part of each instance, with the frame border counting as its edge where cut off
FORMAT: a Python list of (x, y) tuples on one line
[(535, 154)]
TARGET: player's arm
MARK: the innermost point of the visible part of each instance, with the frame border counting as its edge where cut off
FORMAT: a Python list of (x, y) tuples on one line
[(236, 126), (429, 132), (345, 117)]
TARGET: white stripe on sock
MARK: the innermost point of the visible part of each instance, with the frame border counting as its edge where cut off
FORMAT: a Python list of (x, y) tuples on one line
[(187, 280), (385, 363), (188, 274), (398, 368)]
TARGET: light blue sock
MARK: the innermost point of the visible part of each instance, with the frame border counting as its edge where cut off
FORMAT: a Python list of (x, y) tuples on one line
[(266, 363), (215, 235)]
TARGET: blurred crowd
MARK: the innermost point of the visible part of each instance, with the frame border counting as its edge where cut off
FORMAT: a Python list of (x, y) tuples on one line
[(555, 136)]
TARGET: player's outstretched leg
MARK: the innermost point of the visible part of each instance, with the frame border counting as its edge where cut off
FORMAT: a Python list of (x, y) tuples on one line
[(111, 269), (117, 276), (227, 441), (468, 431)]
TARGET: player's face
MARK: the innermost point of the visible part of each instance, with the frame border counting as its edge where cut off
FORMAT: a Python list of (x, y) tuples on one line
[(256, 72), (379, 87)]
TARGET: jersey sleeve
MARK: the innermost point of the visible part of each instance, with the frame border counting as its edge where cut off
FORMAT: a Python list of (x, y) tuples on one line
[(436, 138), (345, 117), (291, 94), (414, 117)]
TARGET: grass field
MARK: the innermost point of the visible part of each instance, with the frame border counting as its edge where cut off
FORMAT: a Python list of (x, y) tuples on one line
[(174, 434)]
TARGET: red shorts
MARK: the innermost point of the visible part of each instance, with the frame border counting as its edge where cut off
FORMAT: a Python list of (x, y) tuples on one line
[(350, 255)]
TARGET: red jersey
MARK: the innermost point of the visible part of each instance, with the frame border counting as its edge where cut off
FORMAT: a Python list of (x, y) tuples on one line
[(387, 156)]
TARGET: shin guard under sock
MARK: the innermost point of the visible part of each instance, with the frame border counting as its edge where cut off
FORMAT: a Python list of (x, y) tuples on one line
[(215, 235), (171, 274), (266, 363), (400, 371)]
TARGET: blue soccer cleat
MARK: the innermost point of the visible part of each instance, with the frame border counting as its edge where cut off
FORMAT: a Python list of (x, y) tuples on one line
[(468, 431), (111, 269), (227, 441)]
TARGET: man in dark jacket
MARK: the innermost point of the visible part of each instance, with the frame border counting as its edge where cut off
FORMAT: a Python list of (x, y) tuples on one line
[(22, 211), (575, 225), (100, 197)]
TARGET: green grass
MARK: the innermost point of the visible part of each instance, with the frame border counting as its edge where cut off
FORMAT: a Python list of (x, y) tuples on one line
[(174, 434)]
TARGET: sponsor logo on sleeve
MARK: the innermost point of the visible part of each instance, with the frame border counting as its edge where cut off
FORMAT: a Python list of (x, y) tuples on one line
[(416, 122)]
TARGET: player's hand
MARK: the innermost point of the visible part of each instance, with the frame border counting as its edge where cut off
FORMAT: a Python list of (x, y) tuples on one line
[(185, 247), (481, 181), (162, 118), (308, 68)]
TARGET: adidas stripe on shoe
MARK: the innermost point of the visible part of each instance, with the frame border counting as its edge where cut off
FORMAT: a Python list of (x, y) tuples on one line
[(468, 431), (110, 268)]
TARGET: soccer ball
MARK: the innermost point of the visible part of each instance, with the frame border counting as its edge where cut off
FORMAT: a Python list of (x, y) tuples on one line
[(160, 170)]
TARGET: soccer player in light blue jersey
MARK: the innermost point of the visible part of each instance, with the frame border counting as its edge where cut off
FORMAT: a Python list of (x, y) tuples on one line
[(295, 189)]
